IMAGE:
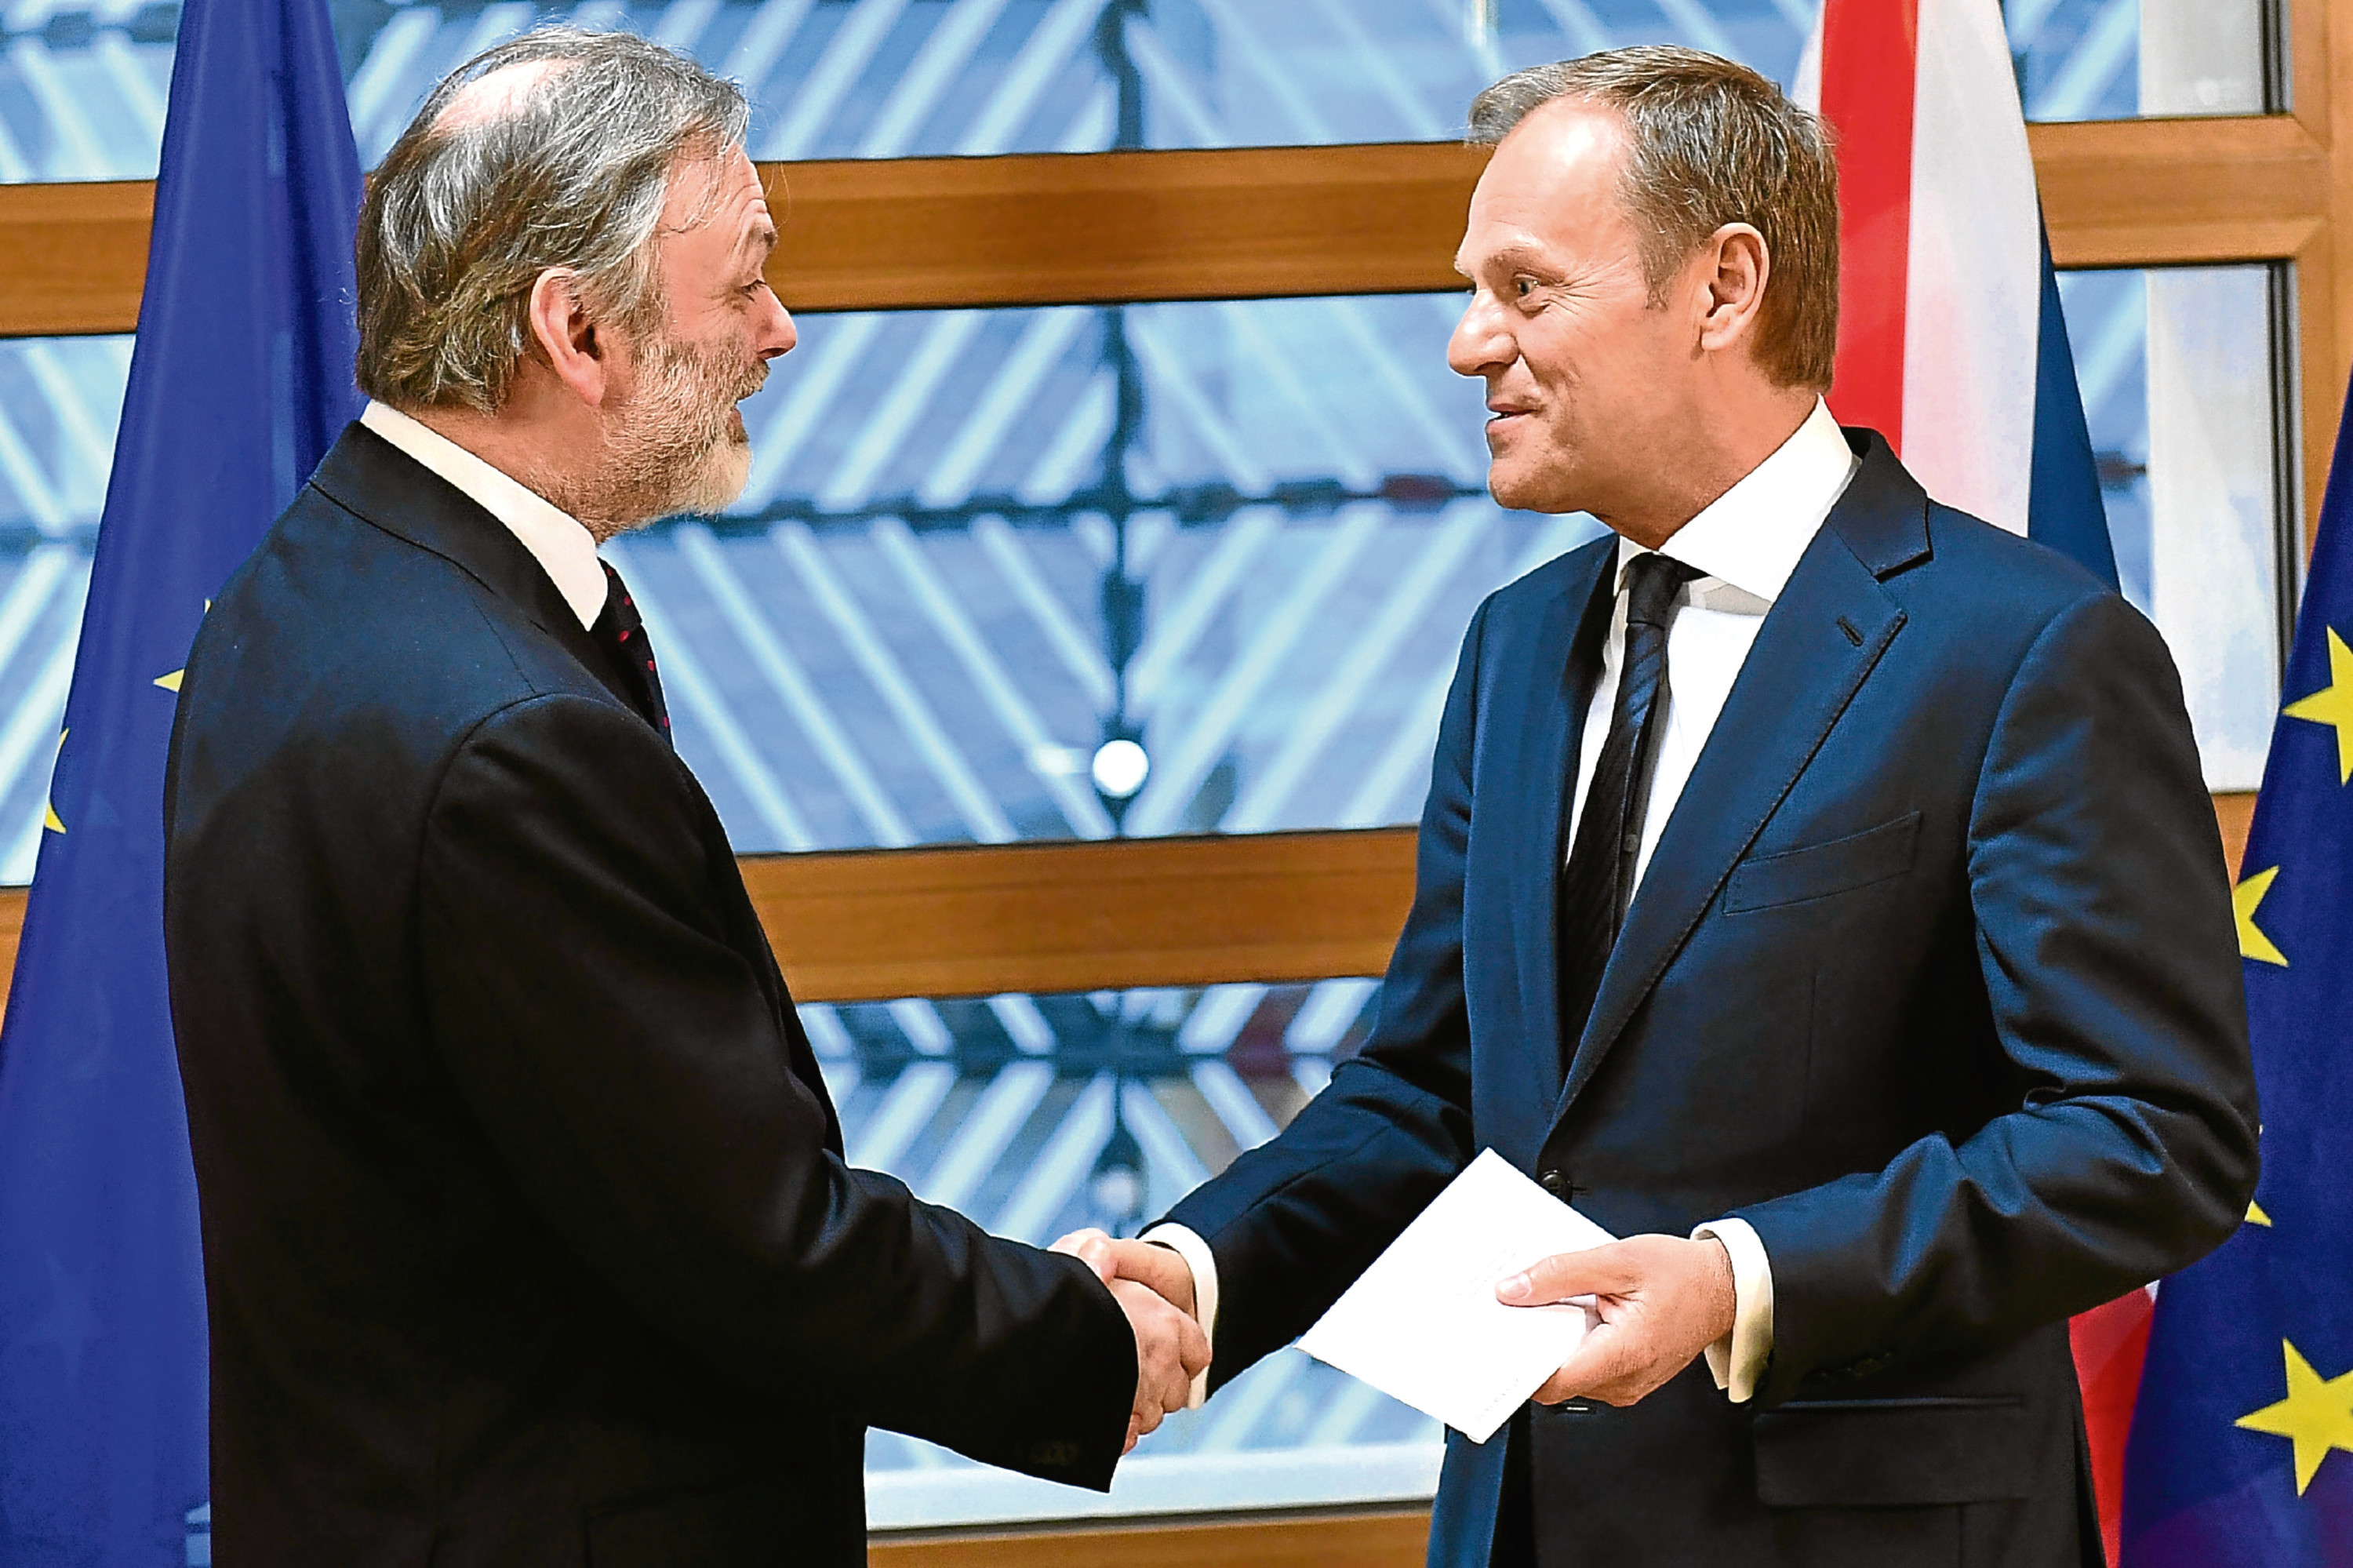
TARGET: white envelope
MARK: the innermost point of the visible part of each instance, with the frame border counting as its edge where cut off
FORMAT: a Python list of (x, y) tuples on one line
[(1422, 1324)]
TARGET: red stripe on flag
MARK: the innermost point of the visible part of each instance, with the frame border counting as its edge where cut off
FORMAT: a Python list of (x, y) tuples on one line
[(2110, 1344), (1870, 58)]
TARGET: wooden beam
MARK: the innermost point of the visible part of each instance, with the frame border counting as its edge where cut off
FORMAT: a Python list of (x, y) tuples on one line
[(1084, 916), (874, 925), (73, 258), (2234, 814), (1387, 1538), (1113, 226), (1240, 223), (2321, 44), (2141, 192)]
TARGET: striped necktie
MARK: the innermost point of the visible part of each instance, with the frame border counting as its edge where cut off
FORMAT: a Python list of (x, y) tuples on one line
[(1598, 882)]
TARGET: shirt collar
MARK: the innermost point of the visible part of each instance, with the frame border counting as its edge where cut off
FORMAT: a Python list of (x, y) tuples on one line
[(561, 545), (1750, 537)]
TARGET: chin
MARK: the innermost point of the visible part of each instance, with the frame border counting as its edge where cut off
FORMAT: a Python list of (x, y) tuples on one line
[(1525, 487), (1515, 490), (718, 478)]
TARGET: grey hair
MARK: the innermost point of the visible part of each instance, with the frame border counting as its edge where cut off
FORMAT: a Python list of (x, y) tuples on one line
[(462, 219), (1710, 143)]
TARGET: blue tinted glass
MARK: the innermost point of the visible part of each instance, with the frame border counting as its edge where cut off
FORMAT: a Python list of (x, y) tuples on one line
[(899, 78), (979, 547), (962, 570), (2182, 397), (82, 86), (1039, 1115), (2108, 60)]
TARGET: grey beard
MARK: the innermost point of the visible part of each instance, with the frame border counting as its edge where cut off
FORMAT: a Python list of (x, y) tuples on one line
[(671, 449)]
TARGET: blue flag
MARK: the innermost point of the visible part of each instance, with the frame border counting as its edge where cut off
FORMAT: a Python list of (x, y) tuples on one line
[(2063, 509), (2243, 1445), (240, 378)]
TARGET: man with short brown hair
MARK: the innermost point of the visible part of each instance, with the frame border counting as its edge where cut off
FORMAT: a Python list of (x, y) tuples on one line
[(1817, 888)]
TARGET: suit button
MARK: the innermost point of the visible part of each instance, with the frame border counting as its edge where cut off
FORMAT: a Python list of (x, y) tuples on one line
[(1553, 1181)]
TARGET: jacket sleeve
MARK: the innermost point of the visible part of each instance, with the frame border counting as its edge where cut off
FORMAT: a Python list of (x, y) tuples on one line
[(628, 1064), (1293, 1221), (2107, 946)]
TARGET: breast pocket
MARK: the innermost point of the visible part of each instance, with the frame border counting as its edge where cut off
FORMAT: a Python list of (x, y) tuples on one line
[(1817, 870)]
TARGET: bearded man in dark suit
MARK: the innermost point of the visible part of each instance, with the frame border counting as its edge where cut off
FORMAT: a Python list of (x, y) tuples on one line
[(528, 1237)]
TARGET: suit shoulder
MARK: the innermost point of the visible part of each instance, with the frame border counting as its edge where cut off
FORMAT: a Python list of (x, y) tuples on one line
[(331, 591), (1987, 571)]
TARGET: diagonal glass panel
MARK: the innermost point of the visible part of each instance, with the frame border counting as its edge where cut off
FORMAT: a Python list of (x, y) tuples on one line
[(982, 547), (82, 86), (2111, 60)]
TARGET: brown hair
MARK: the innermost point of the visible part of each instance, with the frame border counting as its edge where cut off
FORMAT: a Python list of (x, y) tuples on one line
[(1710, 143)]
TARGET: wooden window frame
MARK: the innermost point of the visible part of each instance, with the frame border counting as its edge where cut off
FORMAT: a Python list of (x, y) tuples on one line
[(1258, 223)]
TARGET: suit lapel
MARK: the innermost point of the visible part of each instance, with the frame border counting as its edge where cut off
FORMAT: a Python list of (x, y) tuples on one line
[(1563, 661), (372, 479), (1823, 636)]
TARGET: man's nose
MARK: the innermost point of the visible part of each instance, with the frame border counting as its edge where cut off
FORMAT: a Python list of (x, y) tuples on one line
[(776, 333), (1479, 344)]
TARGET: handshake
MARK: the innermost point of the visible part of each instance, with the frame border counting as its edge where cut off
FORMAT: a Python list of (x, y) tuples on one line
[(1154, 1286)]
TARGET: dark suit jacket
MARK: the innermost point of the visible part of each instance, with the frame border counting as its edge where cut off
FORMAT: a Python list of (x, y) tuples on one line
[(527, 1234), (1932, 980)]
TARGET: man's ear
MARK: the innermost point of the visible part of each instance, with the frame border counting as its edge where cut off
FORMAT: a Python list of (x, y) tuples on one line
[(570, 340), (1735, 268)]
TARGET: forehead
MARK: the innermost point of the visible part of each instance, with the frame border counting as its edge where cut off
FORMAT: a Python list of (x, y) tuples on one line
[(1554, 178), (717, 193)]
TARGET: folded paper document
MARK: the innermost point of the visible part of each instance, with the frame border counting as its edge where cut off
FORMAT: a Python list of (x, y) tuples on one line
[(1422, 1324)]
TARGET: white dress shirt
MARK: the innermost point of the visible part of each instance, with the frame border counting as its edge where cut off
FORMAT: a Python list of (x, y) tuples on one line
[(1747, 541), (558, 541)]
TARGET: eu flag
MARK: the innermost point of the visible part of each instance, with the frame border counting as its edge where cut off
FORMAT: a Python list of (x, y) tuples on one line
[(240, 378), (2243, 1445)]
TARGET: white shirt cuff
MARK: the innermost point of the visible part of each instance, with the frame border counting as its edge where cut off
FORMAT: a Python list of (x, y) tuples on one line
[(1198, 1257), (1738, 1359)]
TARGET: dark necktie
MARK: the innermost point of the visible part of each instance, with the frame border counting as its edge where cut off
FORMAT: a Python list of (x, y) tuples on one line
[(621, 632), (1599, 880)]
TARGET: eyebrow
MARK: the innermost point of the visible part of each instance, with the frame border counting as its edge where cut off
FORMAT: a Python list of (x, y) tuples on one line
[(1527, 256), (761, 239)]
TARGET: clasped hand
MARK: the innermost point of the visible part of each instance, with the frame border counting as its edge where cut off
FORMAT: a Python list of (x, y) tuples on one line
[(1661, 1300), (1154, 1289)]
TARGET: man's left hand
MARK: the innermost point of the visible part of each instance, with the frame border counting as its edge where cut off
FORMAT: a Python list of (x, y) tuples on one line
[(1661, 1301)]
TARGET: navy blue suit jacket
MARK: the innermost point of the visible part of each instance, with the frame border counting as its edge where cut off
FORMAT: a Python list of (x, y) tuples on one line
[(528, 1237), (1932, 979)]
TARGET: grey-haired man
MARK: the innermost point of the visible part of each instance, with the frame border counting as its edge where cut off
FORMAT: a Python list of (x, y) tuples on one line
[(528, 1236)]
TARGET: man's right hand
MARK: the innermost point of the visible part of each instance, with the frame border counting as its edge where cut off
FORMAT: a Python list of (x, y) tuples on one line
[(1171, 1348)]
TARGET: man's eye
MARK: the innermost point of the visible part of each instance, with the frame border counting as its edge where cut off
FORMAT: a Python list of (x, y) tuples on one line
[(1524, 287)]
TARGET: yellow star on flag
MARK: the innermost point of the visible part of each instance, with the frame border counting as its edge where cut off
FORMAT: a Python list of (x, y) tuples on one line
[(2256, 1215), (170, 682), (50, 821), (2333, 703), (2316, 1415), (2245, 899)]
